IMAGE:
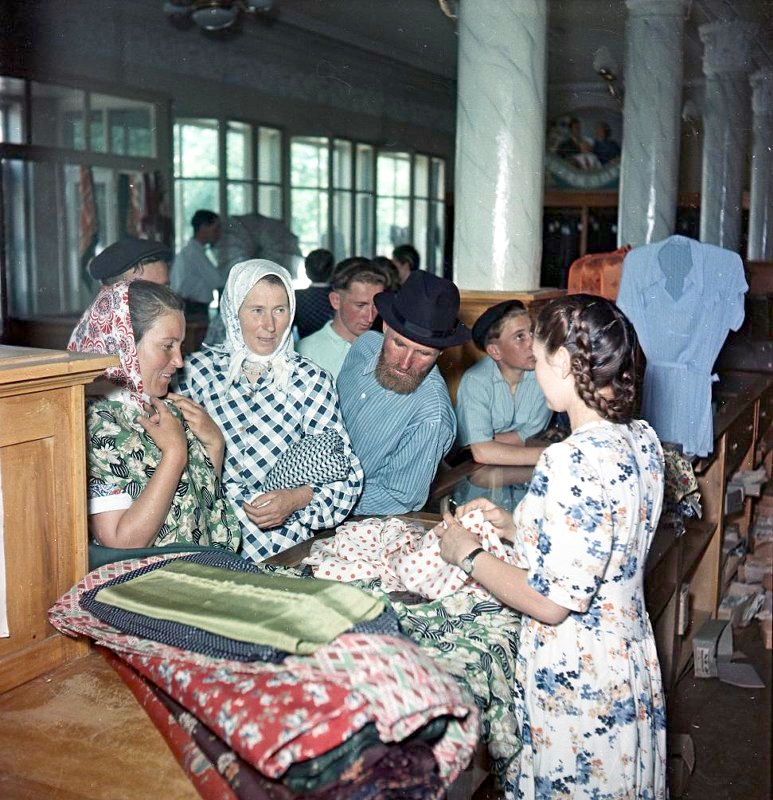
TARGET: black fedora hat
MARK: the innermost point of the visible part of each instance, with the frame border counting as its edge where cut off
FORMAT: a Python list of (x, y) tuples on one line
[(425, 310)]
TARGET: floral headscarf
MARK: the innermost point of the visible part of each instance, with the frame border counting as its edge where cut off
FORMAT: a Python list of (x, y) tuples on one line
[(242, 277), (106, 327)]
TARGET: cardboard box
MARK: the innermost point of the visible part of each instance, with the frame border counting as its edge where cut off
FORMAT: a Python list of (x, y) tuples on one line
[(714, 640)]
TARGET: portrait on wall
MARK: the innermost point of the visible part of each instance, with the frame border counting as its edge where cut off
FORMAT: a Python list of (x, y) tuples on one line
[(583, 150)]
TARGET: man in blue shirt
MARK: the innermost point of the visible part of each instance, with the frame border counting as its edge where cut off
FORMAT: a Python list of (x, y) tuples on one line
[(499, 404), (394, 401)]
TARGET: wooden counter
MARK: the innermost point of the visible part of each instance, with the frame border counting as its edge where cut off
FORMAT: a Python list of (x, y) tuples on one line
[(43, 478)]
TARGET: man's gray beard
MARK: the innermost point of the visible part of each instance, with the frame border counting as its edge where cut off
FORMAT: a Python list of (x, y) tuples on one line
[(402, 384)]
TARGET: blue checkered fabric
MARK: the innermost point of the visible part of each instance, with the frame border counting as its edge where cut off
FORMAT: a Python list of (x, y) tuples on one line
[(313, 461), (188, 637), (260, 423)]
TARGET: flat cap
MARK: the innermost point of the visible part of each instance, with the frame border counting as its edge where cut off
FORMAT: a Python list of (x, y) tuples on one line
[(125, 254), (490, 317)]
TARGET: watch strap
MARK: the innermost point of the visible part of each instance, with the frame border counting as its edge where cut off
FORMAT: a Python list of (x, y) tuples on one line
[(468, 560)]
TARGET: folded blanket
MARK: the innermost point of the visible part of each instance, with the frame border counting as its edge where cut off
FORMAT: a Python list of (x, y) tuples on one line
[(292, 614), (276, 715), (195, 638)]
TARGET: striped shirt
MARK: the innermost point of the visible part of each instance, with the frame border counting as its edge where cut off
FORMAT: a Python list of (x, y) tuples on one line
[(399, 438)]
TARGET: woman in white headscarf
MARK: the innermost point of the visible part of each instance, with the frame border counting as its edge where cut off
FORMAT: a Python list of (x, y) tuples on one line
[(266, 399)]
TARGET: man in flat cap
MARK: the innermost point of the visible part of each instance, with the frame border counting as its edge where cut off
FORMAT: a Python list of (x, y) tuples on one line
[(131, 258), (394, 401), (499, 404)]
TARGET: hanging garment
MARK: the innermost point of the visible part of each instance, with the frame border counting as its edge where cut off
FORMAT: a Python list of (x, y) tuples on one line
[(682, 297)]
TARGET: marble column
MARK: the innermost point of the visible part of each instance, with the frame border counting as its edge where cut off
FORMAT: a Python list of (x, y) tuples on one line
[(500, 144), (726, 63), (760, 247), (649, 171)]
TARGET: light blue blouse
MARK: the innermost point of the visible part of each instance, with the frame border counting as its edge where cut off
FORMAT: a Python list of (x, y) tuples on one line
[(486, 406), (682, 297)]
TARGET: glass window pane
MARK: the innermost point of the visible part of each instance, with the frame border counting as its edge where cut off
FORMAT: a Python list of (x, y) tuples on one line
[(57, 116), (270, 201), (238, 198), (309, 161), (421, 176), (394, 174), (131, 124), (19, 276), (238, 153), (365, 168), (364, 226), (438, 186), (12, 110), (392, 223), (191, 195), (342, 164), (342, 225), (269, 155), (309, 218), (196, 149), (420, 226), (437, 245)]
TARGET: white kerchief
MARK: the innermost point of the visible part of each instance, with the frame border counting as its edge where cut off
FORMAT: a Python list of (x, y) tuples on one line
[(242, 277)]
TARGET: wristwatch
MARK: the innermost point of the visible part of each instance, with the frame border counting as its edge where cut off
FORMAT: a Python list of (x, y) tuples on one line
[(467, 561)]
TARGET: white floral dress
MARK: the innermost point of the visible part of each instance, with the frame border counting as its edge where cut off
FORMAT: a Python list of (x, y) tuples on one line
[(589, 698)]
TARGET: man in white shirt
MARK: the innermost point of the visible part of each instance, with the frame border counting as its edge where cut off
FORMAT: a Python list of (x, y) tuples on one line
[(355, 284), (194, 274)]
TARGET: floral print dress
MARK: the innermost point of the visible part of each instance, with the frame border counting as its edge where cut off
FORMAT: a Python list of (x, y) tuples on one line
[(121, 460), (589, 698)]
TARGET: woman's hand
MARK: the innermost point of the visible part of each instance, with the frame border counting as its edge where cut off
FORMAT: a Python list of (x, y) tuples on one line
[(456, 542), (204, 428), (271, 509), (501, 520), (166, 431)]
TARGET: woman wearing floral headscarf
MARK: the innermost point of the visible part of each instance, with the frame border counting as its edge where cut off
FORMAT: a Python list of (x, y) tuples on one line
[(266, 399), (153, 465)]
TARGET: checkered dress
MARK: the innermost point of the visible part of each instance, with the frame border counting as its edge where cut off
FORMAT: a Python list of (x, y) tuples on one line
[(259, 422)]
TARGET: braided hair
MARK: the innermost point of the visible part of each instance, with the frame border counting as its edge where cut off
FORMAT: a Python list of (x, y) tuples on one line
[(603, 349)]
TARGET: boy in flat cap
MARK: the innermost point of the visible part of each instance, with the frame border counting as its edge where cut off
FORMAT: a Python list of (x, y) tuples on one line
[(499, 404), (394, 400)]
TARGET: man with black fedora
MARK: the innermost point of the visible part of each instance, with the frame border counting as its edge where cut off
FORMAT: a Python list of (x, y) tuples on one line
[(394, 400)]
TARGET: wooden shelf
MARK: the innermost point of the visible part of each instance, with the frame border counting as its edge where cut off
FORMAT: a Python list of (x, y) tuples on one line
[(697, 537)]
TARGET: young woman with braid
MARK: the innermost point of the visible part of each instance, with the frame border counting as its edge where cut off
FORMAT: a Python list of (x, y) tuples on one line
[(589, 698)]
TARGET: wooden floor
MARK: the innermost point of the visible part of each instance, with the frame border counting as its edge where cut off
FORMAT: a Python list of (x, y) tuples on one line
[(79, 734)]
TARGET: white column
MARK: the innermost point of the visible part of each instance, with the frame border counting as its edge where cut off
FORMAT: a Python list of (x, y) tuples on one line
[(726, 63), (760, 247), (649, 171), (500, 144)]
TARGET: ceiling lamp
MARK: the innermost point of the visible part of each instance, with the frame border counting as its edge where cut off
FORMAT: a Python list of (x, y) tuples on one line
[(214, 15)]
